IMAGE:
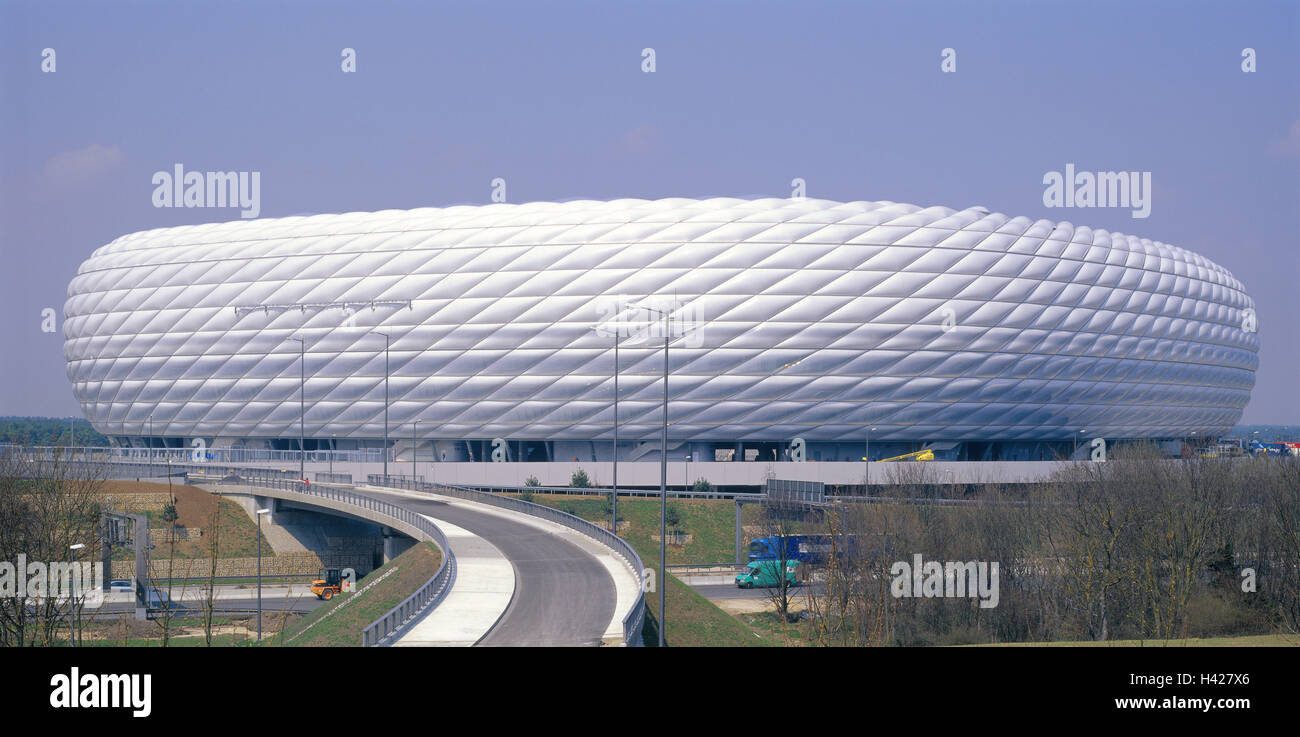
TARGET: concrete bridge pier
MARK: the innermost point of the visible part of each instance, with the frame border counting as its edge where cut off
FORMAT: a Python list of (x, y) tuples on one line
[(395, 543), (265, 502)]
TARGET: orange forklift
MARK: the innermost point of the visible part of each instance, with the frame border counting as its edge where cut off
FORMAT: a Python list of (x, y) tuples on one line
[(329, 583)]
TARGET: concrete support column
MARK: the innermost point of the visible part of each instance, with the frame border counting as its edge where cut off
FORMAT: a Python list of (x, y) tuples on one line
[(266, 502), (395, 543)]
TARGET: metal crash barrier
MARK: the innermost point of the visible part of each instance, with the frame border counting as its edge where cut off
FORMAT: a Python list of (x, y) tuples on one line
[(392, 624), (635, 617)]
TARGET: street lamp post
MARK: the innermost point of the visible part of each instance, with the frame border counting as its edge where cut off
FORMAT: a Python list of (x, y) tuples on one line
[(663, 482), (663, 497), (663, 463), (414, 444), (618, 327), (260, 514), (387, 342), (302, 407), (613, 494), (866, 463)]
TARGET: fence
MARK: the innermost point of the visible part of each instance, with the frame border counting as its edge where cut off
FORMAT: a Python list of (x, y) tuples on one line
[(394, 480), (796, 494)]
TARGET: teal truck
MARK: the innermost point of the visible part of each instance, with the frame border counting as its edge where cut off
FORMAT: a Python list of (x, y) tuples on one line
[(764, 574)]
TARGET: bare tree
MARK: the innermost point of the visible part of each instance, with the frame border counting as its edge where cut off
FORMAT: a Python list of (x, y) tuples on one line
[(1277, 554), (167, 604), (1133, 538), (1088, 526), (779, 523), (48, 504), (213, 535), (1187, 504), (849, 602)]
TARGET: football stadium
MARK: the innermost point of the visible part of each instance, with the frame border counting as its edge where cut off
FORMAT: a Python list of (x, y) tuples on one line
[(972, 333)]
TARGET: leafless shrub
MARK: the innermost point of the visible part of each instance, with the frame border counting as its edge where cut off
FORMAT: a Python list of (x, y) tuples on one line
[(1136, 547), (1277, 533)]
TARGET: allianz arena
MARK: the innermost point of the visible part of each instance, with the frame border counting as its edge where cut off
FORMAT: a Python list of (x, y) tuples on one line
[(963, 330)]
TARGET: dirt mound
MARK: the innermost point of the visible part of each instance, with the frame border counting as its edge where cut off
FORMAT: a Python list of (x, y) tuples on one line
[(194, 506)]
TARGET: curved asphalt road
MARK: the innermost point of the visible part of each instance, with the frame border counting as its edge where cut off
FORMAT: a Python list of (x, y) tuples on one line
[(563, 596)]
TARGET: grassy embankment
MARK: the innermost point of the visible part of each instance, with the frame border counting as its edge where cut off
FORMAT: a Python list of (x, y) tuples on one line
[(338, 623)]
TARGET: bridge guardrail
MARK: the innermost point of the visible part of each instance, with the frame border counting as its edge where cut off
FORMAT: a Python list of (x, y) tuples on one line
[(389, 626), (605, 490), (635, 617), (382, 630)]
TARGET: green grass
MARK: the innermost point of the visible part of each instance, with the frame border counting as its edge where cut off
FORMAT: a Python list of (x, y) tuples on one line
[(339, 623), (778, 632), (710, 522), (174, 641), (185, 632), (694, 621)]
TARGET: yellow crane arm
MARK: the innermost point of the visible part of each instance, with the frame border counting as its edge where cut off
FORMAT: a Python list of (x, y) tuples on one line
[(920, 455)]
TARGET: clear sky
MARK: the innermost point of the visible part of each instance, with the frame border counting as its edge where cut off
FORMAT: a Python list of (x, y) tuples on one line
[(551, 97)]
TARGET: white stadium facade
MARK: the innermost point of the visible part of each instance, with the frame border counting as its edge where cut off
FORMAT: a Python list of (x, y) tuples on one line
[(979, 335)]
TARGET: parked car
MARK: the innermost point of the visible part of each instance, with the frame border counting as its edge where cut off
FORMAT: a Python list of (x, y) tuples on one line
[(118, 585)]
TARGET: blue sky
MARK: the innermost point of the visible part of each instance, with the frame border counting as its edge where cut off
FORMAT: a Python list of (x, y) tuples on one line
[(550, 96)]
